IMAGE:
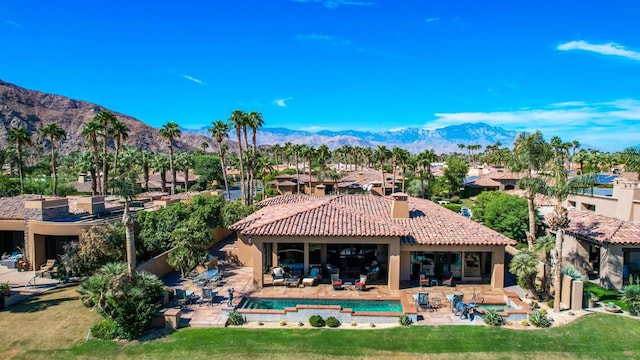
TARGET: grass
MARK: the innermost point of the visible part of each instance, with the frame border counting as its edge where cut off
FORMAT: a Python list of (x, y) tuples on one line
[(54, 326), (605, 295), (53, 320)]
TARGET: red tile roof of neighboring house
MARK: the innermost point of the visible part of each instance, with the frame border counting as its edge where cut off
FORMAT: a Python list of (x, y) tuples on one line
[(367, 216), (602, 229)]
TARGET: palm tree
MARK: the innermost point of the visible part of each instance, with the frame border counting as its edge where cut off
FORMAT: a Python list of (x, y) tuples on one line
[(91, 131), (20, 136), (544, 245), (277, 149), (425, 159), (264, 165), (398, 155), (296, 149), (323, 154), (120, 132), (184, 162), (144, 160), (382, 154), (560, 188), (204, 146), (171, 131), (335, 176), (55, 133), (631, 158), (125, 186), (309, 152), (255, 122), (160, 163), (237, 120), (524, 265), (220, 131), (531, 153), (105, 118)]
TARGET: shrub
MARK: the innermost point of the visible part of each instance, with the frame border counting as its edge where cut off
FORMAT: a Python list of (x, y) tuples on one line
[(540, 319), (354, 323), (235, 319), (405, 320), (631, 296), (492, 318), (550, 304), (104, 330), (300, 323), (332, 322), (453, 207), (316, 321), (455, 199), (283, 323), (524, 323), (572, 272), (373, 325)]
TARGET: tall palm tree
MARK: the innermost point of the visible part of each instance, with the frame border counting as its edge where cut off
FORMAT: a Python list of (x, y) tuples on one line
[(105, 118), (255, 121), (204, 146), (277, 149), (171, 131), (21, 137), (237, 121), (55, 133), (219, 130), (308, 153), (631, 158), (264, 166), (296, 149), (91, 131), (531, 153), (145, 160), (561, 187), (425, 159), (160, 163), (398, 154), (323, 154), (125, 186), (184, 162), (382, 154), (120, 132)]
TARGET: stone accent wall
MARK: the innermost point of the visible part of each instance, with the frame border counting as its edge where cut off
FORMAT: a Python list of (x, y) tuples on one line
[(42, 210)]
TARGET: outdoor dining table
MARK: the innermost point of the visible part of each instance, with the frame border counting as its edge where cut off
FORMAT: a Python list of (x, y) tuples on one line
[(207, 276)]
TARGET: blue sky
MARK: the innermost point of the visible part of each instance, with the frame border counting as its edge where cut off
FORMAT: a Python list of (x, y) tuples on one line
[(568, 68)]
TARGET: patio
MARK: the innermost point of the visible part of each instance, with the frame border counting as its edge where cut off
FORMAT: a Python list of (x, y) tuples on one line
[(240, 279)]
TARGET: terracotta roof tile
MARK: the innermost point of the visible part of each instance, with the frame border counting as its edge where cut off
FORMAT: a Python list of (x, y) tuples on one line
[(12, 208), (602, 229), (365, 215)]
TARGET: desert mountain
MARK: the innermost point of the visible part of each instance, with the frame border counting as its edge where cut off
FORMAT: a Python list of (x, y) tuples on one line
[(34, 109)]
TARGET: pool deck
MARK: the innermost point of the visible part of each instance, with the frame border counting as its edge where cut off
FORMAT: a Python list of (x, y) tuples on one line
[(240, 279)]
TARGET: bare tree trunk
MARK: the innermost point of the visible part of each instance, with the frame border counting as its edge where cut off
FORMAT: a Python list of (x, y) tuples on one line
[(557, 269), (224, 171), (127, 219), (531, 238), (173, 170), (53, 170)]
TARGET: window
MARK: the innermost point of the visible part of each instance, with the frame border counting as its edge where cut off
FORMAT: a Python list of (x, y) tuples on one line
[(588, 207)]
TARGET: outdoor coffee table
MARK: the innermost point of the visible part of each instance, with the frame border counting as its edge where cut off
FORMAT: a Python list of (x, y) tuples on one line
[(348, 285), (291, 282), (437, 302)]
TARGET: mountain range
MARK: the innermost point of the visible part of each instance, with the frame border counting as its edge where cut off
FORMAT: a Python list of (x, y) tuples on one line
[(33, 109)]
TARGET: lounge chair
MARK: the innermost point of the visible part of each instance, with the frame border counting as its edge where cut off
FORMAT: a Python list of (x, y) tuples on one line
[(182, 298), (448, 280), (207, 296), (47, 268), (278, 276), (313, 278), (422, 302), (336, 282), (362, 283), (456, 303)]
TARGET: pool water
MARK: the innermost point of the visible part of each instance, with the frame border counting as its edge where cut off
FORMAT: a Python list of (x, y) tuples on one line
[(497, 307), (355, 305)]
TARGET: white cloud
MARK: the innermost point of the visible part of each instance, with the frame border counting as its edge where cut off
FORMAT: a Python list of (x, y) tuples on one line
[(611, 124), (282, 102), (604, 49), (195, 80), (332, 4), (329, 39), (432, 19), (14, 24)]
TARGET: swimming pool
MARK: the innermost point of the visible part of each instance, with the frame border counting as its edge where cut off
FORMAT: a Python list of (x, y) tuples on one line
[(381, 306)]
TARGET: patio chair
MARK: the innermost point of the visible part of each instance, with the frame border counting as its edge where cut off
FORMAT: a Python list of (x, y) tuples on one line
[(182, 298), (422, 302), (46, 268), (207, 296), (362, 283), (447, 280), (336, 282), (456, 303), (312, 278), (278, 276), (424, 280)]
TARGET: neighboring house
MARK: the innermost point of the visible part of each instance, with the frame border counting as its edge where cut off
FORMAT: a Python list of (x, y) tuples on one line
[(356, 182), (603, 238), (43, 225), (497, 180), (391, 239)]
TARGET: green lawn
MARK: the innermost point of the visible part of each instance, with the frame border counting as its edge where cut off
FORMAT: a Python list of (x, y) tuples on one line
[(592, 337)]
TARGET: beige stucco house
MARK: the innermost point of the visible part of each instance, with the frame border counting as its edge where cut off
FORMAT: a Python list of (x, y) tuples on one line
[(390, 239), (603, 238)]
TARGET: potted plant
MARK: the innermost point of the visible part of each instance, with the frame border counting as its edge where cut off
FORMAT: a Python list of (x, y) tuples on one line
[(611, 307), (593, 299), (4, 288)]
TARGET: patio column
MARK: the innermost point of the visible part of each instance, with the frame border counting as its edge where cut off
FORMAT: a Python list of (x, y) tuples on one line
[(394, 265), (274, 254), (256, 252), (497, 271), (306, 259)]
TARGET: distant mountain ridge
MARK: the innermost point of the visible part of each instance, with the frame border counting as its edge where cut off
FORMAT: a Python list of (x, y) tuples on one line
[(444, 139)]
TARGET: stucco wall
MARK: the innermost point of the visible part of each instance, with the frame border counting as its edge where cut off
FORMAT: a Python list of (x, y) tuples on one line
[(611, 261), (158, 265)]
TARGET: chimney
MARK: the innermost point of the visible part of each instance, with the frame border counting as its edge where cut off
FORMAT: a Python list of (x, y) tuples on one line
[(400, 206), (626, 192), (320, 190), (360, 176)]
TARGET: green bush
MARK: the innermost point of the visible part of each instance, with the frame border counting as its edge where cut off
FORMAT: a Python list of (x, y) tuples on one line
[(492, 318), (540, 319), (453, 207), (235, 318), (631, 296), (332, 322), (104, 330), (405, 320), (550, 304), (455, 199), (316, 321)]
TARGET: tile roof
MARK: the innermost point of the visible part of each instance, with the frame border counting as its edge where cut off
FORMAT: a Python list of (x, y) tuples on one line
[(368, 216), (602, 229), (12, 208), (494, 179)]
